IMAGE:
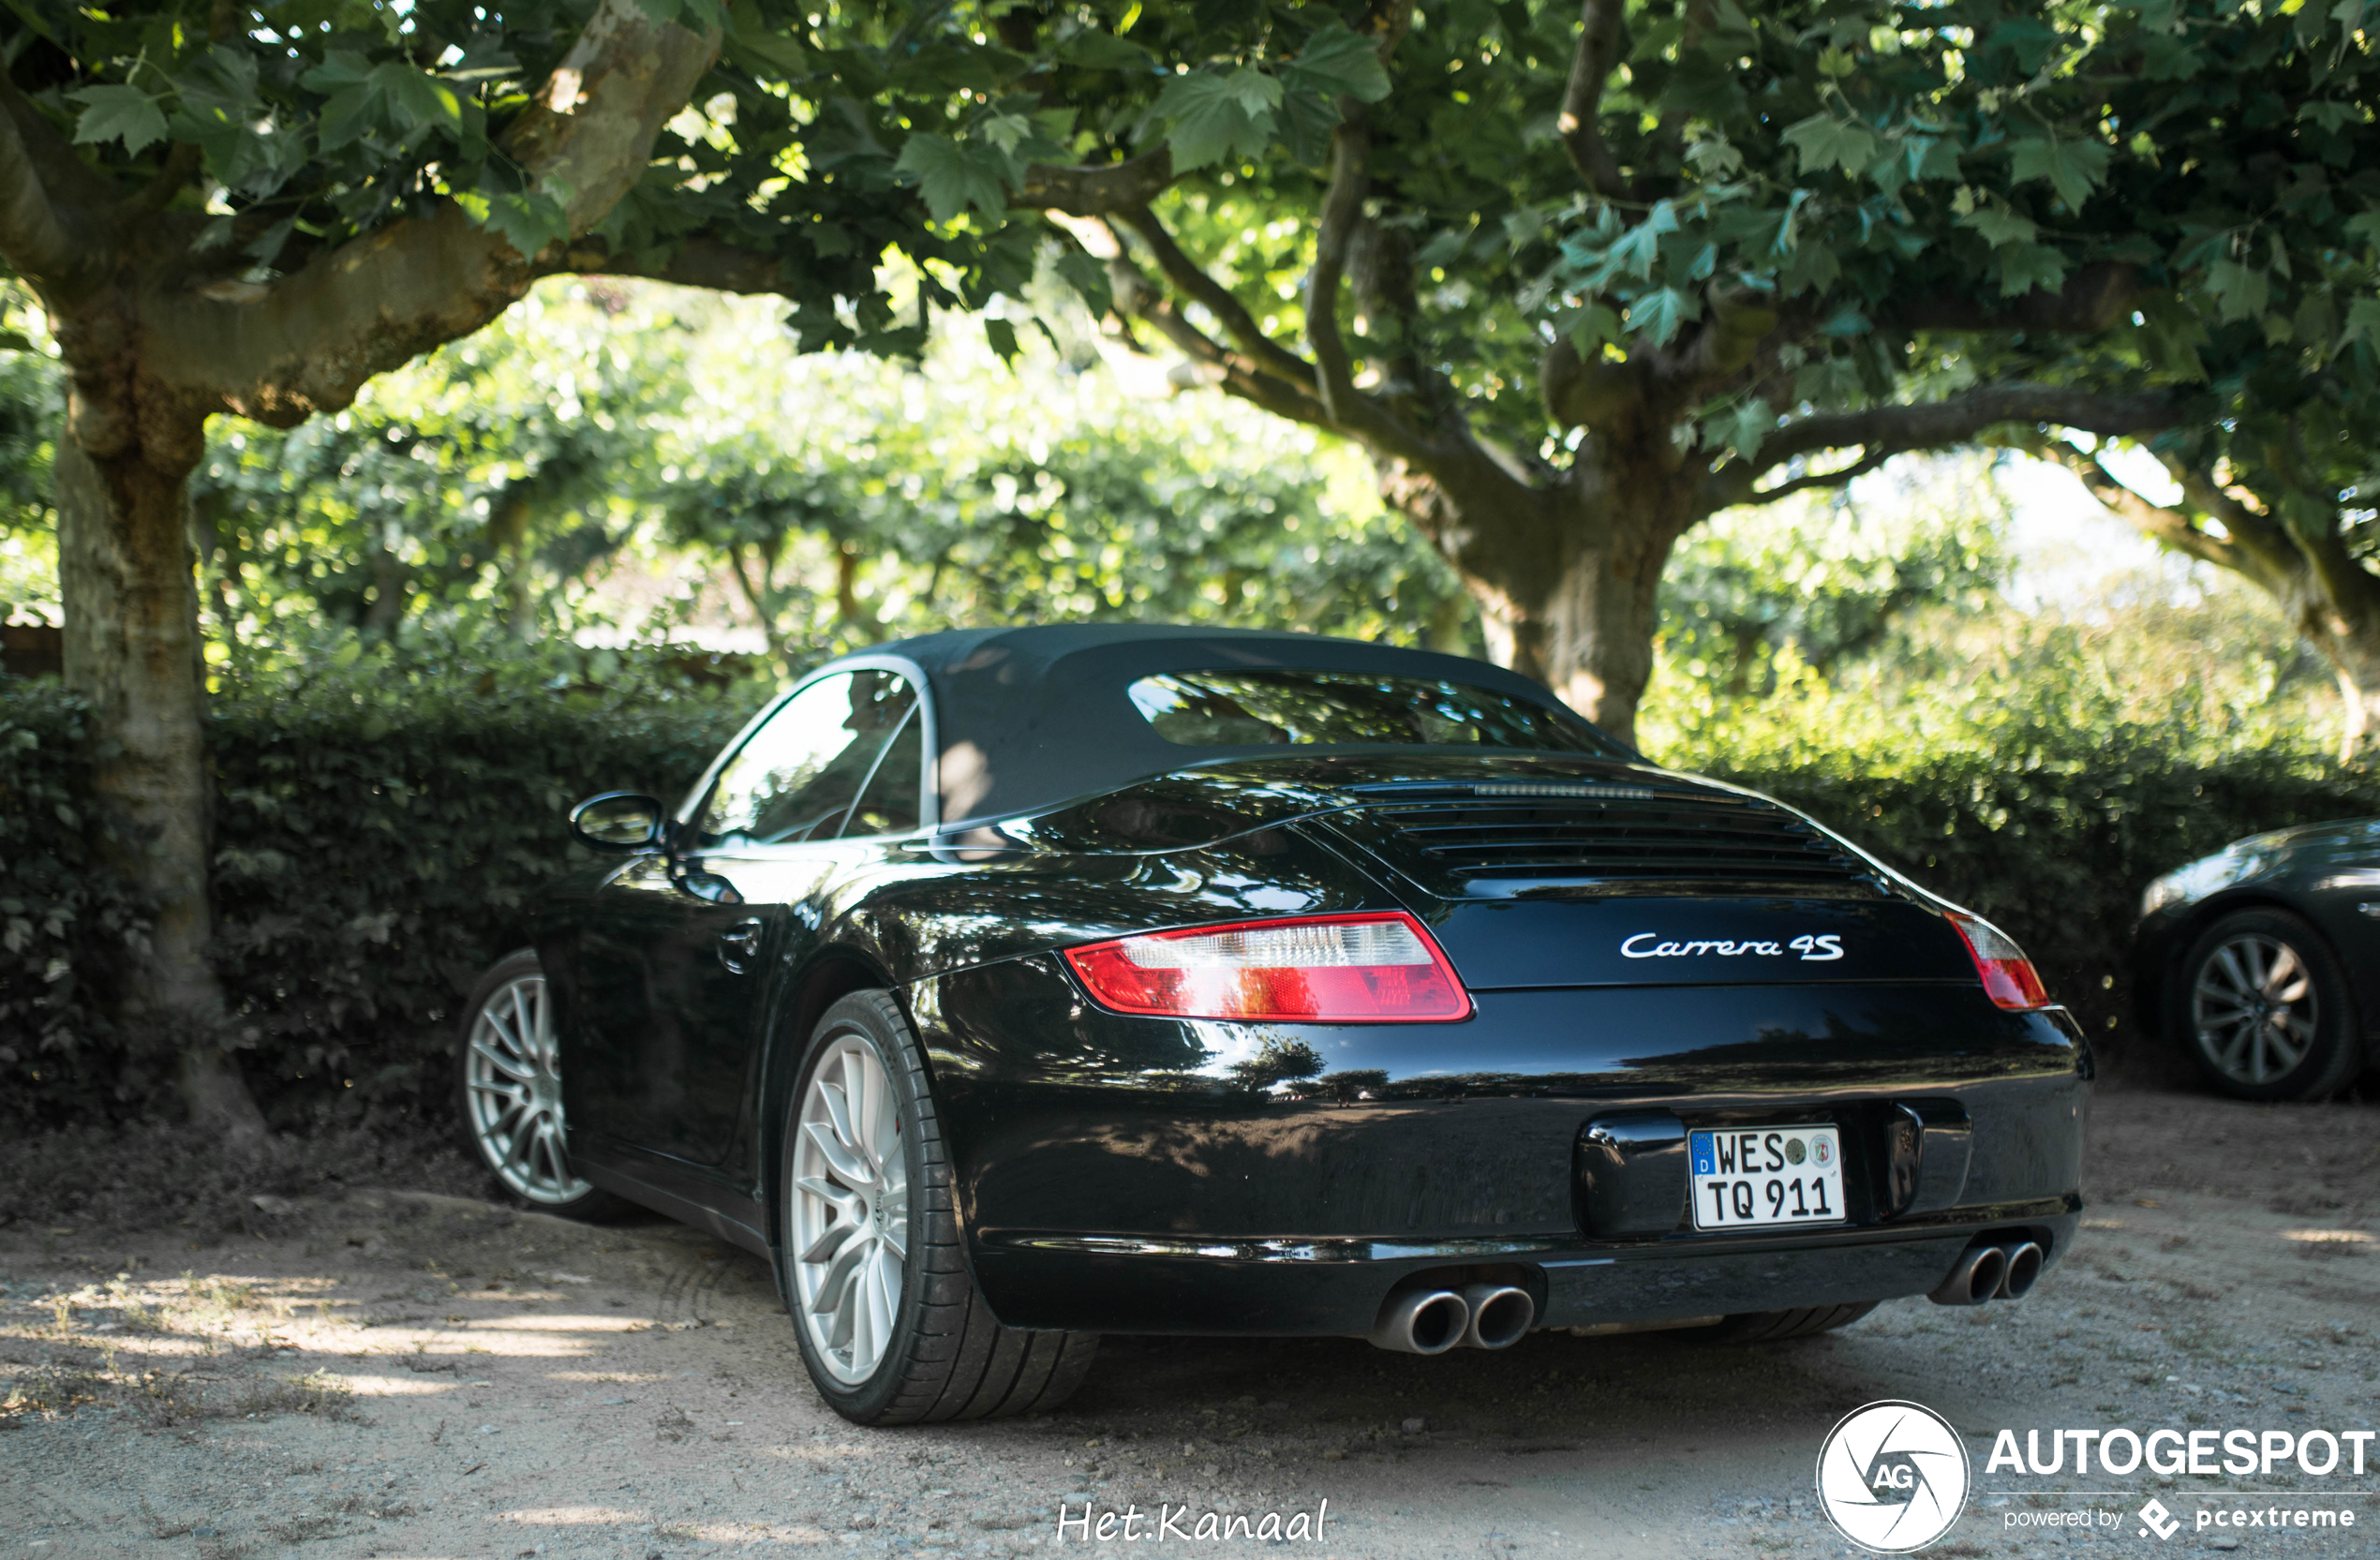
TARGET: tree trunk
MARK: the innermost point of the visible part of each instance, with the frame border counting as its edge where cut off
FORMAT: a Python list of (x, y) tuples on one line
[(2353, 650), (1567, 578), (129, 590)]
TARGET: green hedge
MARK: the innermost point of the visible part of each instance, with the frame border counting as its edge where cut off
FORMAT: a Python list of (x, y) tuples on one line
[(378, 837), (375, 843), (2053, 842)]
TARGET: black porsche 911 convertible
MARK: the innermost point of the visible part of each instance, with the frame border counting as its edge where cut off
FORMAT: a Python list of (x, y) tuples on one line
[(1003, 988)]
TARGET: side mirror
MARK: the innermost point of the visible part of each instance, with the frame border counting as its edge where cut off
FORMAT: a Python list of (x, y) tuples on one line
[(617, 821)]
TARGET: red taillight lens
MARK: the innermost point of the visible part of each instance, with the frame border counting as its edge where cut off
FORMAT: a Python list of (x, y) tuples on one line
[(1372, 969), (2009, 978)]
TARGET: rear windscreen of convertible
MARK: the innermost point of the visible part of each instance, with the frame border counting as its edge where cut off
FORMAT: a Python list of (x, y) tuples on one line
[(1230, 709)]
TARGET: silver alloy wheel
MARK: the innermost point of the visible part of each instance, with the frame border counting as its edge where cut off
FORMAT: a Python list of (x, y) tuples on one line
[(2254, 1009), (849, 1209), (514, 1084)]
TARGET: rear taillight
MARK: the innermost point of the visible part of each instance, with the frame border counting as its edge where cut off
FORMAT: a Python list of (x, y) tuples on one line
[(1378, 968), (2009, 978)]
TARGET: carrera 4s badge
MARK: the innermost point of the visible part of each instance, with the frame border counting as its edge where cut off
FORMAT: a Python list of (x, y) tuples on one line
[(1813, 948)]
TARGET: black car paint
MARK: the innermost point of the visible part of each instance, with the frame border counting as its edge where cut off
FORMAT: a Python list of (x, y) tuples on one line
[(2328, 873), (1140, 1174)]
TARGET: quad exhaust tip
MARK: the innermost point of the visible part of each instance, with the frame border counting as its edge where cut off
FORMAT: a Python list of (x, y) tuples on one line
[(2005, 1272), (2024, 1267), (1432, 1321), (1500, 1316)]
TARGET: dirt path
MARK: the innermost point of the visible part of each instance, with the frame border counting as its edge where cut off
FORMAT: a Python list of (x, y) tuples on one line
[(403, 1375)]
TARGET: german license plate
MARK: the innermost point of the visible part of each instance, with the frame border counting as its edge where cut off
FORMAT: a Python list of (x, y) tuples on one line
[(1752, 1177)]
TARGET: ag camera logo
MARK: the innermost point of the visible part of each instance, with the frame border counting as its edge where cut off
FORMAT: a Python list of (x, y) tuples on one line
[(1893, 1477)]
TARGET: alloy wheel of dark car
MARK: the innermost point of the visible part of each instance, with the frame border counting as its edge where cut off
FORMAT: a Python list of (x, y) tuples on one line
[(890, 1322), (509, 1085), (2266, 1008)]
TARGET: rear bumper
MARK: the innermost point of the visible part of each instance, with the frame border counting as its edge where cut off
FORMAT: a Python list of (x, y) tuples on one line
[(1287, 1288), (1128, 1175)]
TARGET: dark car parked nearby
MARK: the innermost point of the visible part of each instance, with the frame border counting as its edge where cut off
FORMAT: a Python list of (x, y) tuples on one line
[(2262, 961), (1002, 988)]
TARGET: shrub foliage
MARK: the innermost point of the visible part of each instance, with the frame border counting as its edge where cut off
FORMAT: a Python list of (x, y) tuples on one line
[(379, 834), (377, 841)]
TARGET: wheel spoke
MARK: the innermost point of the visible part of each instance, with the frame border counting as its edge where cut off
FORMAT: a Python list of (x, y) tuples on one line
[(844, 1164), (829, 1241), (519, 1072), (2229, 957), (881, 1297), (845, 1262), (2228, 1057)]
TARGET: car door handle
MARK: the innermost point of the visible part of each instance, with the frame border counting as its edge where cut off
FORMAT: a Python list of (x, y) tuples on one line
[(739, 946)]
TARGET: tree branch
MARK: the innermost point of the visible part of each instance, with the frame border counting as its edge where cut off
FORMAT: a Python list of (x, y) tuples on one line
[(1116, 188), (2168, 526), (36, 239), (1185, 274), (379, 300), (697, 261), (1934, 424), (1858, 468), (1236, 375), (1603, 39), (1342, 204)]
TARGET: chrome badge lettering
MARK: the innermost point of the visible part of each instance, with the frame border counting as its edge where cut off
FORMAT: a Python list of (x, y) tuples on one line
[(1812, 947)]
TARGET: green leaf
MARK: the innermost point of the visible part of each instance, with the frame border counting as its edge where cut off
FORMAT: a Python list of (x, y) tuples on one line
[(529, 222), (423, 97), (1660, 315), (1825, 142), (1209, 120), (1634, 252), (2363, 325), (2073, 168), (2001, 228), (1089, 279), (340, 69), (1003, 337), (2365, 225), (117, 112), (1252, 90), (2024, 267), (1098, 50), (952, 177), (2240, 290), (1339, 62), (1742, 428), (15, 341)]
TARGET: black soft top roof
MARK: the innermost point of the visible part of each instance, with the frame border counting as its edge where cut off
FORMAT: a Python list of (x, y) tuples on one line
[(1027, 718)]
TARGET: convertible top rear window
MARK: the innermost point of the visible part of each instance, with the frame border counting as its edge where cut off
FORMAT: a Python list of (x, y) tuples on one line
[(1234, 709)]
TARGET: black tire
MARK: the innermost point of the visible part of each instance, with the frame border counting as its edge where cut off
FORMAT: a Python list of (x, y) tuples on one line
[(1775, 1326), (527, 1182), (2245, 1056), (948, 1357)]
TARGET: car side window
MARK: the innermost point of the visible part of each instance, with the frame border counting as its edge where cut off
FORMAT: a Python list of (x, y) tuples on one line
[(798, 774), (890, 805)]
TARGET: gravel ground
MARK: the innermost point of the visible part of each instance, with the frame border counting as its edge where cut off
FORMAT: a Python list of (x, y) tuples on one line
[(402, 1374)]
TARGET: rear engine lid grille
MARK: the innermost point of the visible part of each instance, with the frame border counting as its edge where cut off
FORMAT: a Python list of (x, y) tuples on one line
[(1502, 837)]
